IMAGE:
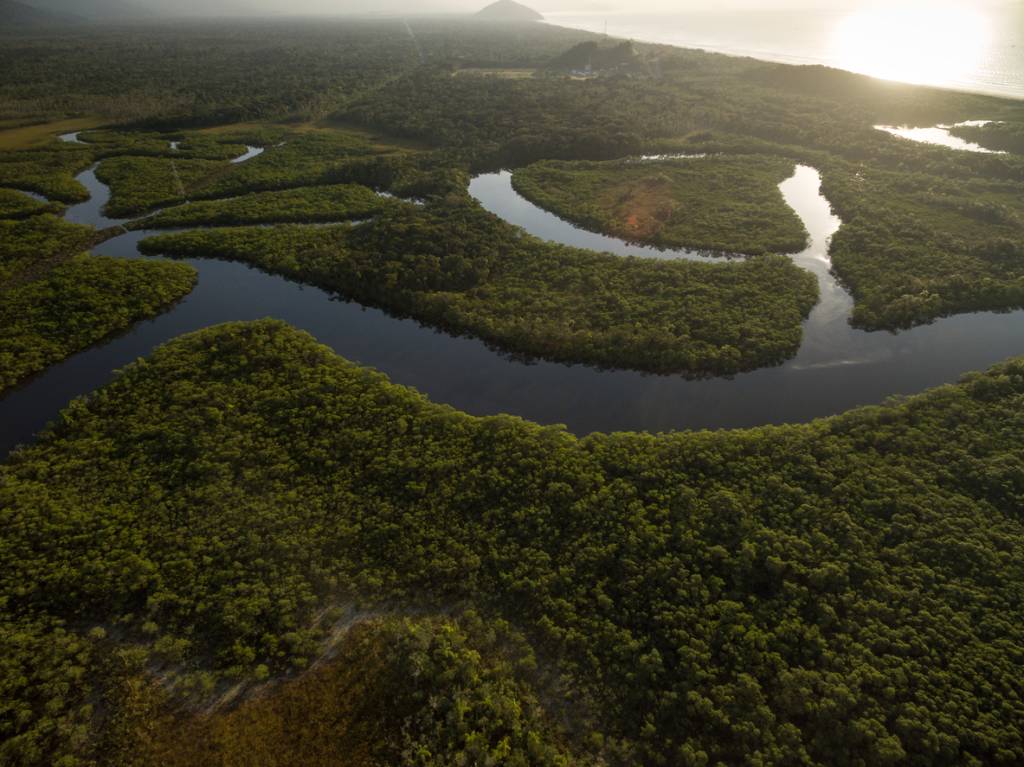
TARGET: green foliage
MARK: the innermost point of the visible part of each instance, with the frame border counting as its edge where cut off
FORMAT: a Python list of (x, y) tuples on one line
[(914, 247), (997, 136), (200, 75), (46, 681), (415, 692), (191, 145), (32, 246), (493, 120), (175, 74), (842, 593), (303, 205), (595, 56), (724, 204), (799, 112), (54, 301), (138, 184), (304, 159), (49, 173), (452, 265), (106, 141), (292, 250), (77, 304), (14, 204), (468, 707), (497, 121)]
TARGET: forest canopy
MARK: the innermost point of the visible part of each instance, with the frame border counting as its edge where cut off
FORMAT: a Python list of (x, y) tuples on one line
[(454, 266), (840, 593), (720, 204), (56, 300)]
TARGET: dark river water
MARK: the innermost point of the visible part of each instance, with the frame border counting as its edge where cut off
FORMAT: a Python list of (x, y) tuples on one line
[(837, 367)]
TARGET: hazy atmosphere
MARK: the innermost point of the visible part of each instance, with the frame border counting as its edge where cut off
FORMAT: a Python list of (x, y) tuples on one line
[(376, 7)]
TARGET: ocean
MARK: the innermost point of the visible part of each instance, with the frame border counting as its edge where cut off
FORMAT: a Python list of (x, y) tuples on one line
[(964, 47)]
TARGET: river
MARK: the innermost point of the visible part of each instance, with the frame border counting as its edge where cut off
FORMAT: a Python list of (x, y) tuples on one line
[(837, 367)]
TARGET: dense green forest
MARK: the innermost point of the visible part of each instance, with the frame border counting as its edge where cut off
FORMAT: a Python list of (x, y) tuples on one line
[(997, 136), (916, 246), (49, 173), (206, 73), (55, 301), (138, 184), (338, 202), (452, 265), (29, 247), (15, 205), (77, 304), (846, 592), (431, 692), (191, 145), (494, 120), (315, 158), (729, 205), (819, 116)]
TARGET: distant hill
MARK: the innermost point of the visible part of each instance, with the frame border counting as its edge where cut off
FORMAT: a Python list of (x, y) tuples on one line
[(18, 15), (509, 10), (593, 56)]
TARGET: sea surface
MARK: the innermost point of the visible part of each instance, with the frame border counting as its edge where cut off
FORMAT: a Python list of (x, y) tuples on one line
[(968, 46)]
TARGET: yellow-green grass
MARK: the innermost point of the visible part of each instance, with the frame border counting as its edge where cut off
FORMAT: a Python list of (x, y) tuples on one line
[(28, 136), (509, 73)]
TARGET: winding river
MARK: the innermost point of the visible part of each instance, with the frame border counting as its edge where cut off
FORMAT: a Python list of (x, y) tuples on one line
[(837, 367)]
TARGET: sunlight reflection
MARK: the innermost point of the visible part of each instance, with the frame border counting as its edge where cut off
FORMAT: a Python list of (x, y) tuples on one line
[(926, 43)]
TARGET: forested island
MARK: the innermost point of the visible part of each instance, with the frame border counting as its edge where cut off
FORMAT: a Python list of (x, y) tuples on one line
[(716, 204), (246, 547)]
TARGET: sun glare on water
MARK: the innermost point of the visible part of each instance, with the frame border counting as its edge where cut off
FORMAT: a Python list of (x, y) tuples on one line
[(933, 43)]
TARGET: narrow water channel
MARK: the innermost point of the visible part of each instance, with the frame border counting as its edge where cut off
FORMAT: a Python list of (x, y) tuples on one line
[(940, 135), (836, 369)]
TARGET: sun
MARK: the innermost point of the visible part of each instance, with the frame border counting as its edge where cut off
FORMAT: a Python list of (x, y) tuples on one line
[(934, 43)]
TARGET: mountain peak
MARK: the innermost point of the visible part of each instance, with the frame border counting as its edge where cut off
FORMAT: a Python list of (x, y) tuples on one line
[(509, 10)]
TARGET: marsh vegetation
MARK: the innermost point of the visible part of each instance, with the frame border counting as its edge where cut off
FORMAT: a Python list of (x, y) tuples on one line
[(719, 204)]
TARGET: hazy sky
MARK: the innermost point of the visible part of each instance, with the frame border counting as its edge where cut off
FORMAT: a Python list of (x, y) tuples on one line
[(553, 6), (335, 6)]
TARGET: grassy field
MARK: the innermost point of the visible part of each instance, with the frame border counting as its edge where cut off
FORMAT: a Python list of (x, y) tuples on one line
[(379, 139), (504, 74), (28, 136)]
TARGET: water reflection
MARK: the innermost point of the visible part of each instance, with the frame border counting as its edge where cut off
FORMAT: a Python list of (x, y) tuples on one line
[(940, 135), (916, 42), (91, 211), (250, 152), (837, 367), (494, 192)]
